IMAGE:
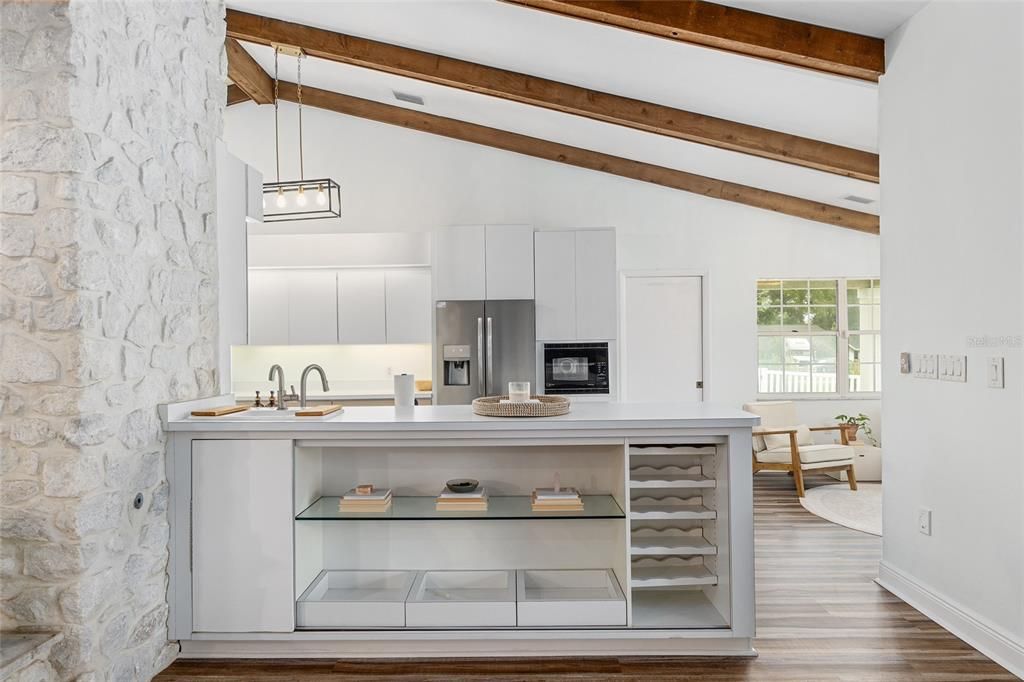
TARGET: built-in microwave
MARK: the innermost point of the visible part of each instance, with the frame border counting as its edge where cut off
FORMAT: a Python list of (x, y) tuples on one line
[(579, 368)]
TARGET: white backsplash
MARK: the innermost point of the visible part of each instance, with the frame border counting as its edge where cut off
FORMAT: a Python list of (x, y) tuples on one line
[(351, 369)]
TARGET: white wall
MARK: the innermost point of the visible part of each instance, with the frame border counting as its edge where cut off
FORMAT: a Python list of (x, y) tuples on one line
[(951, 152), (394, 179)]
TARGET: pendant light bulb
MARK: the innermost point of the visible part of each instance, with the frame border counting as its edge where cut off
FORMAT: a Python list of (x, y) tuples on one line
[(281, 201), (321, 196), (300, 198)]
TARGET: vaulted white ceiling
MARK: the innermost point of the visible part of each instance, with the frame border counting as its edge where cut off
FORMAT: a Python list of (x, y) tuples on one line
[(748, 90)]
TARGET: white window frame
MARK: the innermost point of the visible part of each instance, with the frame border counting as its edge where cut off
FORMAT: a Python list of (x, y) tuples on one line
[(842, 333)]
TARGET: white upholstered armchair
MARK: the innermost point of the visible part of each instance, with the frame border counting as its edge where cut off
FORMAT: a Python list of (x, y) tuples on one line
[(781, 443)]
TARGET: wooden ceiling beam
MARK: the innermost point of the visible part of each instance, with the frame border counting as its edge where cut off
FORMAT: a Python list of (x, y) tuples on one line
[(236, 95), (570, 99), (247, 74), (582, 158), (734, 30)]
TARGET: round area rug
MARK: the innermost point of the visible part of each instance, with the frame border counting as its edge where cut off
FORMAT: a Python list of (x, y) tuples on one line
[(859, 509)]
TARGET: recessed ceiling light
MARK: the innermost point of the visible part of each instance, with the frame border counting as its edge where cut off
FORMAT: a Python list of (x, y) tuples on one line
[(858, 200), (406, 97)]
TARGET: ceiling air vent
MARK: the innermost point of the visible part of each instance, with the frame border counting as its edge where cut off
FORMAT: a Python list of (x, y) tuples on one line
[(849, 197), (406, 97)]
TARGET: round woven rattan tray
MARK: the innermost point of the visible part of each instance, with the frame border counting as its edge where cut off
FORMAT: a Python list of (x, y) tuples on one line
[(549, 406)]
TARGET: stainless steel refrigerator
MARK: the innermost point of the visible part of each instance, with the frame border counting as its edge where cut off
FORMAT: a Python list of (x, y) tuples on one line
[(480, 346)]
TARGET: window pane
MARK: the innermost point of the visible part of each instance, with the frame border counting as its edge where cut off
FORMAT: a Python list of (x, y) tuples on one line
[(795, 318), (823, 379), (770, 379), (866, 317), (769, 319), (865, 348), (821, 318), (798, 378), (769, 350), (824, 296), (863, 377), (796, 296), (823, 349), (798, 350), (768, 297)]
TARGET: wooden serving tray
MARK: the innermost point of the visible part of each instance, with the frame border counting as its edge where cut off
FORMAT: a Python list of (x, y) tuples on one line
[(219, 411), (318, 411)]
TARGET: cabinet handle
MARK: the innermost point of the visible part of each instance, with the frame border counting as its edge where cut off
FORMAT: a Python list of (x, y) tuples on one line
[(490, 355), (482, 388)]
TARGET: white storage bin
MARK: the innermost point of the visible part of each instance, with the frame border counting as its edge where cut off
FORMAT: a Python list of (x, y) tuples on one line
[(364, 599), (457, 599), (571, 597)]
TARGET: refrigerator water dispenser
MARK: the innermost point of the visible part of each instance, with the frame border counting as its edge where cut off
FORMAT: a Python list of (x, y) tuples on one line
[(456, 365)]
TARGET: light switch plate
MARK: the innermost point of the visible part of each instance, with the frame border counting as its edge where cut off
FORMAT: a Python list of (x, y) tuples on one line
[(925, 366), (924, 521), (952, 368), (995, 373)]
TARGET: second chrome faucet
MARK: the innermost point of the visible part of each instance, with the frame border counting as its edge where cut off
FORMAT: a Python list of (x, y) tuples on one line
[(283, 397)]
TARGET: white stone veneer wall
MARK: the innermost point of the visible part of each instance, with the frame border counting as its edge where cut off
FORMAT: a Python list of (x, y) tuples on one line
[(108, 270)]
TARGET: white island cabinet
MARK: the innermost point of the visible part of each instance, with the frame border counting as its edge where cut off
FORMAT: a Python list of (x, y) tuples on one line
[(657, 560)]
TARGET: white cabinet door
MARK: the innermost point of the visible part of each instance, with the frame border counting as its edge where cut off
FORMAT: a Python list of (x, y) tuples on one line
[(312, 307), (232, 268), (361, 302), (253, 195), (268, 307), (459, 263), (555, 259), (408, 306), (595, 285), (509, 250), (242, 525)]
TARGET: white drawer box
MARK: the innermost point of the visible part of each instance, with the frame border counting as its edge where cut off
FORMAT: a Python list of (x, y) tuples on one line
[(462, 599), (344, 599), (573, 597)]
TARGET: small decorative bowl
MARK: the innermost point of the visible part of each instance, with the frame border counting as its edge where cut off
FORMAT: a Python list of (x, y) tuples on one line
[(462, 485)]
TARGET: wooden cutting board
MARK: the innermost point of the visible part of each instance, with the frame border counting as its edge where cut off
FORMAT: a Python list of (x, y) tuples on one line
[(318, 411), (219, 411)]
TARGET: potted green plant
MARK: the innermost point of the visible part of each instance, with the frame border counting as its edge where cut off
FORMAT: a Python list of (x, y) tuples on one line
[(851, 424)]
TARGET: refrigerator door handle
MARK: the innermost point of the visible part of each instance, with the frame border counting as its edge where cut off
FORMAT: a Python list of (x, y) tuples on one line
[(480, 355), (490, 356)]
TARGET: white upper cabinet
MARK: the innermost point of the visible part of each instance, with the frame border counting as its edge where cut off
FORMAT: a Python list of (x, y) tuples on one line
[(268, 307), (312, 307), (595, 285), (408, 306), (509, 262), (459, 258), (575, 285), (361, 302), (253, 195), (556, 285)]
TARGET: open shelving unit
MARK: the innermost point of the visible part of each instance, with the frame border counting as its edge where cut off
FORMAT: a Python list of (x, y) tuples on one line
[(422, 507), (675, 565)]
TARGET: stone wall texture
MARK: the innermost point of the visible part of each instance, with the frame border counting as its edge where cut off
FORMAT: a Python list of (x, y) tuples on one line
[(110, 111)]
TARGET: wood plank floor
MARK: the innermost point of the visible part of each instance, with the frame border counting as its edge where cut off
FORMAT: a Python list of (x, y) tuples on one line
[(820, 618)]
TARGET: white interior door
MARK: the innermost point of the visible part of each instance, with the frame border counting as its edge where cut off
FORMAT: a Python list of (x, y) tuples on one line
[(662, 338)]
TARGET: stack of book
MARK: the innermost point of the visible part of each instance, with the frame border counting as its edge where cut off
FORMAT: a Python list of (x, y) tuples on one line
[(474, 501), (556, 499), (373, 501)]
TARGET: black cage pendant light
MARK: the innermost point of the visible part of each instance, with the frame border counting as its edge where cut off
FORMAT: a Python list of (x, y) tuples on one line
[(302, 199)]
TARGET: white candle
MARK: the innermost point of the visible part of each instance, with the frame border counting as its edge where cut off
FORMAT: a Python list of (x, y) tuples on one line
[(518, 391)]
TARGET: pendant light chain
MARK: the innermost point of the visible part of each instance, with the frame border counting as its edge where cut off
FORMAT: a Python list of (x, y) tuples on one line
[(277, 135), (302, 171)]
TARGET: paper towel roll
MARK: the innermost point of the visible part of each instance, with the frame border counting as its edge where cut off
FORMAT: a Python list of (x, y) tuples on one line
[(405, 390)]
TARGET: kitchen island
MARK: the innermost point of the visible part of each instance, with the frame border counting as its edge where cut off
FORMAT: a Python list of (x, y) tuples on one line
[(657, 561)]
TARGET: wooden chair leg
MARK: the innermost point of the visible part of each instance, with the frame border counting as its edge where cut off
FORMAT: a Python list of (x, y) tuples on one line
[(851, 477), (798, 478)]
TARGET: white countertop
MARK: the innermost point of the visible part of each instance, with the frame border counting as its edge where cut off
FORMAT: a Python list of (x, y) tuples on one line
[(584, 416), (339, 396)]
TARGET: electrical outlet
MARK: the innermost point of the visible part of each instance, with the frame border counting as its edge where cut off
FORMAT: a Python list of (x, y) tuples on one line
[(924, 521)]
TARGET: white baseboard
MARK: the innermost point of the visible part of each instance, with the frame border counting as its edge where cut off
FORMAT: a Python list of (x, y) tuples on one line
[(968, 626)]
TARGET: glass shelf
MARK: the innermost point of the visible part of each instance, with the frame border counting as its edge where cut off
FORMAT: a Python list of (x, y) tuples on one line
[(499, 507)]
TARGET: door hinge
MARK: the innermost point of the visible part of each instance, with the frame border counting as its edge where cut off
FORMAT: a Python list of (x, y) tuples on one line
[(700, 384)]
